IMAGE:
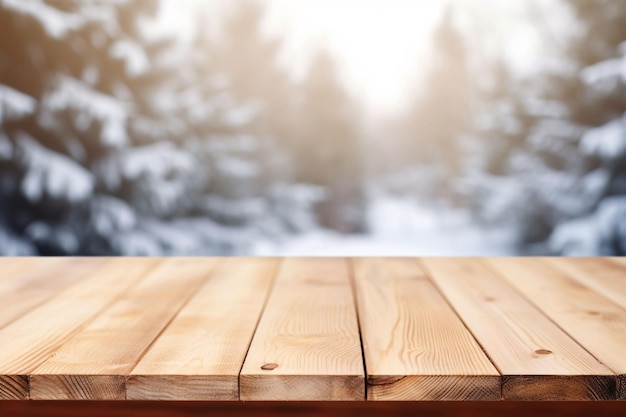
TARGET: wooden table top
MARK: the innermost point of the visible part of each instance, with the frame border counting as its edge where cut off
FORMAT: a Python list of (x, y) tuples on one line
[(301, 329)]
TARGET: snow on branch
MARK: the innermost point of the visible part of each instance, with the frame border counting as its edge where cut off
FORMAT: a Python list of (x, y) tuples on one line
[(607, 142), (14, 104), (49, 174), (137, 62), (234, 211), (157, 161), (161, 177), (606, 74), (110, 215), (12, 245), (554, 135), (56, 23), (111, 112), (598, 233)]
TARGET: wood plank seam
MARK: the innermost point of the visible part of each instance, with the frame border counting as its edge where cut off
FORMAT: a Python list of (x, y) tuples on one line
[(414, 344), (84, 275), (620, 376), (447, 300), (61, 377), (352, 276), (23, 382), (309, 330), (547, 329), (279, 266), (538, 307), (601, 384), (113, 300), (199, 355), (168, 322), (586, 273)]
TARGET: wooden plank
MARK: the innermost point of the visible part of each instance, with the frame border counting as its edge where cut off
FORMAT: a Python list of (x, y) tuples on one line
[(200, 354), (608, 277), (307, 345), (95, 362), (30, 340), (9, 266), (415, 346), (617, 259), (26, 283), (537, 360), (596, 323)]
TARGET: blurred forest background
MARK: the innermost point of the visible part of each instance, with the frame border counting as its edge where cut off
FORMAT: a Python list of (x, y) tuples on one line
[(117, 139)]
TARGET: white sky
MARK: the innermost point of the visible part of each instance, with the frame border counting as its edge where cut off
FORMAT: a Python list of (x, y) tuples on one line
[(378, 43), (383, 45)]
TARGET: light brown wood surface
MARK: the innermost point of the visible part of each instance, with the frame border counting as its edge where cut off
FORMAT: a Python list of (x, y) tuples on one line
[(324, 329), (618, 260), (94, 363), (24, 284), (607, 277), (13, 265), (416, 347), (596, 323), (309, 331), (200, 354), (536, 358), (30, 340)]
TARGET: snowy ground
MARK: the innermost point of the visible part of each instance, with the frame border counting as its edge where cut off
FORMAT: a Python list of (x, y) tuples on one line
[(400, 228)]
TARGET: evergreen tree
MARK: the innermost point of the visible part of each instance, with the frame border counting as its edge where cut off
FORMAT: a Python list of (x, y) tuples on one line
[(250, 57), (600, 54), (528, 177), (442, 114), (562, 162), (329, 145), (113, 141), (306, 133), (53, 60)]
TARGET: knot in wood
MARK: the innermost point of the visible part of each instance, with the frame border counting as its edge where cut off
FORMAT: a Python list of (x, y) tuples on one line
[(543, 352), (269, 366)]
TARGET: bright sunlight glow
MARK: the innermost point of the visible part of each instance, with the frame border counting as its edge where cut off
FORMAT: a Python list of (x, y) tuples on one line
[(382, 46)]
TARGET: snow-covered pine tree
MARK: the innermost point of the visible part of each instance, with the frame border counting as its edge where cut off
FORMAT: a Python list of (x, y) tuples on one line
[(14, 107), (559, 171), (250, 57), (85, 66), (45, 175), (329, 152), (529, 175), (441, 113), (94, 162), (600, 52), (266, 158), (218, 191)]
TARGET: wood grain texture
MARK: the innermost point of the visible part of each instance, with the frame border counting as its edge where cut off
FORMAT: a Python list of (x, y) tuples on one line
[(26, 283), (618, 260), (415, 346), (309, 329), (537, 360), (200, 354), (10, 266), (179, 329), (592, 320), (30, 340), (608, 277), (94, 363), (557, 388)]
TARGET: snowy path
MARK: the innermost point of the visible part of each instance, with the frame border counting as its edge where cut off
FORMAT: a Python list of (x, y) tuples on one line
[(399, 228)]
